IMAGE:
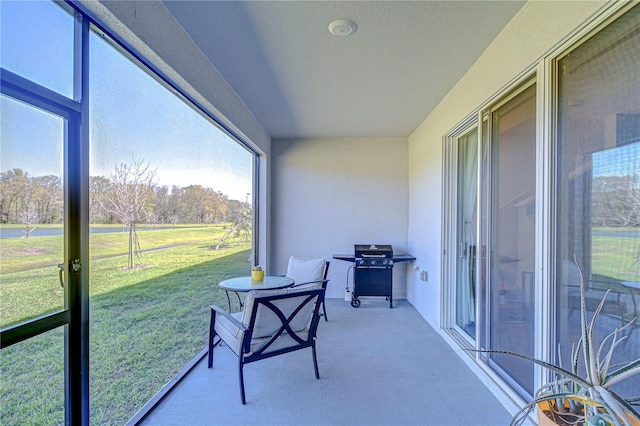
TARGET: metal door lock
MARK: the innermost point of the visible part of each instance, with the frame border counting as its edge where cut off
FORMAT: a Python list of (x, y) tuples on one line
[(61, 272), (76, 266)]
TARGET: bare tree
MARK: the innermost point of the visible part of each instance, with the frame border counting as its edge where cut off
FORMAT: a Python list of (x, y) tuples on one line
[(98, 185), (128, 199), (28, 216), (241, 222), (616, 200)]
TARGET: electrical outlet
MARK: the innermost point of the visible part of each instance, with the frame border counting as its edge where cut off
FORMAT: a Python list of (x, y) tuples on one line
[(347, 296), (424, 276)]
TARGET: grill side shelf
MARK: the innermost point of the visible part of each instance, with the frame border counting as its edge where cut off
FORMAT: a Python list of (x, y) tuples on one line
[(397, 258)]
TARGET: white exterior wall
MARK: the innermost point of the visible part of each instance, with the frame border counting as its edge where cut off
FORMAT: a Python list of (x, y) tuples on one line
[(329, 194), (538, 27)]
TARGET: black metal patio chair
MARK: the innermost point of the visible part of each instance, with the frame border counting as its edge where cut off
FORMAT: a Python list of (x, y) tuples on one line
[(273, 322)]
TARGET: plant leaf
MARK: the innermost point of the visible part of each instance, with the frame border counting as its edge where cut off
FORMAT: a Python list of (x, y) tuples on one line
[(521, 415), (626, 403), (587, 328), (595, 358), (568, 374), (612, 406), (626, 371), (606, 365)]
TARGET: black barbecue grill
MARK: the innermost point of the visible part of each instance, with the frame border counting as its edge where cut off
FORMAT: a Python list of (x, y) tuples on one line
[(373, 275), (373, 270)]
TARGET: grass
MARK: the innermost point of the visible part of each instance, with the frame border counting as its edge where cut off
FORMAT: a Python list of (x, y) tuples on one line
[(616, 257), (34, 261), (22, 254), (146, 324)]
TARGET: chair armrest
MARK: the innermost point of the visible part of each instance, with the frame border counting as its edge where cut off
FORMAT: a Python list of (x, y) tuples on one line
[(324, 282), (228, 316)]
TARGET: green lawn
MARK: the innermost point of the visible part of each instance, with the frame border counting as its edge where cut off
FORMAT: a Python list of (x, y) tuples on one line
[(146, 323), (616, 257)]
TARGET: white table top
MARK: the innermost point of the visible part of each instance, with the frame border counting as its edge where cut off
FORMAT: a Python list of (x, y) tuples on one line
[(243, 284)]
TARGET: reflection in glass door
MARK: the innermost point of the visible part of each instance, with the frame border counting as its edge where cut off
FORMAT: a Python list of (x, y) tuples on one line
[(466, 220), (598, 188), (511, 233)]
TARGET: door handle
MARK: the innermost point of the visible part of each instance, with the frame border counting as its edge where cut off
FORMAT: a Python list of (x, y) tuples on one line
[(76, 266), (60, 272)]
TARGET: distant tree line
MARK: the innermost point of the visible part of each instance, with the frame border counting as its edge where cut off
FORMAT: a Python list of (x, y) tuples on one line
[(128, 194), (616, 201), (30, 200)]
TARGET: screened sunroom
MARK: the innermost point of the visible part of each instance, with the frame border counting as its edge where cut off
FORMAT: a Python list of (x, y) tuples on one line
[(151, 150)]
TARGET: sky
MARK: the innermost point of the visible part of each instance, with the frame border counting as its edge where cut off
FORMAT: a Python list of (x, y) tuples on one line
[(619, 161), (133, 117)]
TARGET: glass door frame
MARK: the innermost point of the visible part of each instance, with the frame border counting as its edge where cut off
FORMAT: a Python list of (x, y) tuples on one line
[(74, 317), (450, 231), (486, 208), (545, 72), (480, 120)]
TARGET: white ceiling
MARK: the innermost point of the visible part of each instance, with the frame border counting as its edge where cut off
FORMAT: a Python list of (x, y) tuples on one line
[(300, 81)]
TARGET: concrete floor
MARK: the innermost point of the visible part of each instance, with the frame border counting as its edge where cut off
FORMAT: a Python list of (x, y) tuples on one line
[(378, 366)]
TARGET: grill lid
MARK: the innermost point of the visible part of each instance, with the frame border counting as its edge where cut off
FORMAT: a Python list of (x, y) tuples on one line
[(383, 251)]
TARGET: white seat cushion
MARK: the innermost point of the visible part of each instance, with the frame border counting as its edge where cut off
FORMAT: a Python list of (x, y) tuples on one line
[(228, 331), (305, 270), (232, 336), (267, 323)]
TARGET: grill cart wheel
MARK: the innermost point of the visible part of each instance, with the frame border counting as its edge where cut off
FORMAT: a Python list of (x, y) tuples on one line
[(355, 303)]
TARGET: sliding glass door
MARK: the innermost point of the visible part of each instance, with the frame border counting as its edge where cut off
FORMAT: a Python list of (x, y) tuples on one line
[(510, 203), (466, 229), (490, 188), (598, 187), (551, 204)]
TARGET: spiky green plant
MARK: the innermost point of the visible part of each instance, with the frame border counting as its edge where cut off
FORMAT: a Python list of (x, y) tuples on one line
[(586, 400)]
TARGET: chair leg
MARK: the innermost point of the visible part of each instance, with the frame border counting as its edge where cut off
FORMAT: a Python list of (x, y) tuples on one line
[(212, 335), (324, 309), (315, 360), (241, 377)]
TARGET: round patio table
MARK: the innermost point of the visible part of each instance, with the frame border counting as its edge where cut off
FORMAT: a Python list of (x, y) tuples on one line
[(245, 284)]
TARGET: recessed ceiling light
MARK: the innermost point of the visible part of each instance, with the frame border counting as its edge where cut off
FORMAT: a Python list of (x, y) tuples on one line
[(342, 27)]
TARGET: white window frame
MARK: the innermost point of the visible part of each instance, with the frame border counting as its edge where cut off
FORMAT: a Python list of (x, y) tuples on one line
[(545, 71)]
